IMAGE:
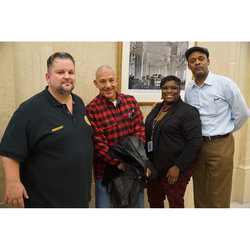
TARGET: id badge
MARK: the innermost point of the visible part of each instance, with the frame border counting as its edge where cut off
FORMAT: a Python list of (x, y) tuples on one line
[(150, 146)]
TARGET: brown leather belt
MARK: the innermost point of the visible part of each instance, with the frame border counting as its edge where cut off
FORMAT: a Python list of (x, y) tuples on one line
[(210, 138)]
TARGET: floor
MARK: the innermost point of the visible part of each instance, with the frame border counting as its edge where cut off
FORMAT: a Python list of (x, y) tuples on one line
[(238, 205)]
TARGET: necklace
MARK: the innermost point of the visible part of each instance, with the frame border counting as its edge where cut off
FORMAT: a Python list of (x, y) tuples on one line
[(163, 109), (166, 109), (155, 121)]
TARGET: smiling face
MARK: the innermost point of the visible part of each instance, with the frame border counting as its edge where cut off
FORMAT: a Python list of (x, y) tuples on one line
[(170, 92), (106, 82), (61, 77), (198, 64)]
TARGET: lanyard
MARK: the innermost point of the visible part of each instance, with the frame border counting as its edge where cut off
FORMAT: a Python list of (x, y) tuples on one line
[(155, 121)]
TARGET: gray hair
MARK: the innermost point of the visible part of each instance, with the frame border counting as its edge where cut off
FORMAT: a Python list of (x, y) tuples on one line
[(102, 68)]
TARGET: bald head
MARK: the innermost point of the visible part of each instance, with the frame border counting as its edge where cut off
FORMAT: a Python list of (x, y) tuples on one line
[(103, 68)]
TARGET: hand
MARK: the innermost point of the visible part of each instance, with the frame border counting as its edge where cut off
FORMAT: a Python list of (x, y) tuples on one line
[(173, 174), (121, 166), (14, 194), (153, 106)]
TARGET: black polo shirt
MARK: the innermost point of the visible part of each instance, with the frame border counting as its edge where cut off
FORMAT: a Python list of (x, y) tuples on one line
[(55, 151)]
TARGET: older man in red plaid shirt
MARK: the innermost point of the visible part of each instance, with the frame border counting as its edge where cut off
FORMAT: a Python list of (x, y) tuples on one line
[(112, 115)]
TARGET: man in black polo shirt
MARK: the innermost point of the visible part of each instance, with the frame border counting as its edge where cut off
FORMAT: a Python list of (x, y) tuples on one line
[(47, 148)]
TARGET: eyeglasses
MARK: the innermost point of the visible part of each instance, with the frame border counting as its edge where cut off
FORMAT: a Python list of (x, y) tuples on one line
[(170, 87)]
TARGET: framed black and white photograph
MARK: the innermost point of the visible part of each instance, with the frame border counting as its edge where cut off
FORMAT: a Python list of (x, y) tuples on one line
[(144, 64)]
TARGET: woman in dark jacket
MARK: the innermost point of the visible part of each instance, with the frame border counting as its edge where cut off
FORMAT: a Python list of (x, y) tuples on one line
[(173, 134)]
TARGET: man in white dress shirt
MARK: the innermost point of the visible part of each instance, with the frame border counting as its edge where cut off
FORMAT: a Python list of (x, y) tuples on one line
[(223, 111)]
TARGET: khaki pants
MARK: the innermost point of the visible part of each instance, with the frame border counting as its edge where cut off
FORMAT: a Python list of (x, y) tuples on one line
[(212, 178)]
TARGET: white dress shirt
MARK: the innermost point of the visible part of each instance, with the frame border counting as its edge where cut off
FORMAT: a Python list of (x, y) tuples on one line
[(220, 103)]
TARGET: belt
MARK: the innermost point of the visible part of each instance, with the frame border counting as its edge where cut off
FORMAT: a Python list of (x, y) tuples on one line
[(210, 138)]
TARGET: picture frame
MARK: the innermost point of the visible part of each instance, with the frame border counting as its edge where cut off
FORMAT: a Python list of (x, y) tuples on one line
[(141, 66)]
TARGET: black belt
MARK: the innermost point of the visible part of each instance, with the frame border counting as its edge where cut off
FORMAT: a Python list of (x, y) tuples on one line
[(210, 138)]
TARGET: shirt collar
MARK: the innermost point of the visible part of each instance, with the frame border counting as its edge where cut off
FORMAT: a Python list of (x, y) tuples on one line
[(106, 101), (208, 80)]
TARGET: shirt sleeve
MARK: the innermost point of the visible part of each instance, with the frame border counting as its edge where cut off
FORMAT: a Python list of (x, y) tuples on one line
[(101, 145), (15, 143), (240, 111)]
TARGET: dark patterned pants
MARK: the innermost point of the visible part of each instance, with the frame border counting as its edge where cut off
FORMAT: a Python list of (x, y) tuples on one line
[(159, 188)]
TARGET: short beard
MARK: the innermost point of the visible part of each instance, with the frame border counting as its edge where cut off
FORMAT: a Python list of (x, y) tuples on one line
[(201, 75), (65, 92)]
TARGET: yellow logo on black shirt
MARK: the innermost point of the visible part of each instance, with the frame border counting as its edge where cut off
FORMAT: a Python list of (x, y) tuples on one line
[(58, 128), (87, 120)]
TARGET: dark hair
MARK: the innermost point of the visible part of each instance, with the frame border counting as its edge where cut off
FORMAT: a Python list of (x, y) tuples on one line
[(196, 48), (62, 55), (170, 78)]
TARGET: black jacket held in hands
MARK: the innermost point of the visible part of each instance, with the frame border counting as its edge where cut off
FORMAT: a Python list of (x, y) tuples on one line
[(177, 137), (124, 186)]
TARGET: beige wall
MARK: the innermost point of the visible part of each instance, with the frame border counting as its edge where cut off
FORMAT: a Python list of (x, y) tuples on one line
[(23, 66)]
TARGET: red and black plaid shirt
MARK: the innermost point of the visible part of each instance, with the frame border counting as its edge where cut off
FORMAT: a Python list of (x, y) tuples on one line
[(110, 123)]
